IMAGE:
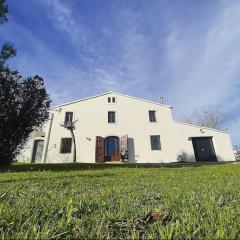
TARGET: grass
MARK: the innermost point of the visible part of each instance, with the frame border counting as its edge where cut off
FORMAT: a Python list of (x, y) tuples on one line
[(107, 202)]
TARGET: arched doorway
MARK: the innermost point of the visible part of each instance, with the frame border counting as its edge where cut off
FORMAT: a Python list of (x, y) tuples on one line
[(111, 149), (37, 151)]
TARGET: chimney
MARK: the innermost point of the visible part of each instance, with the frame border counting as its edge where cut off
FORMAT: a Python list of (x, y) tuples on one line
[(161, 100)]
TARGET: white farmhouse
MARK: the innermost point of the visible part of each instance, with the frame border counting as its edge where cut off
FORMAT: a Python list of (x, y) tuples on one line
[(112, 127)]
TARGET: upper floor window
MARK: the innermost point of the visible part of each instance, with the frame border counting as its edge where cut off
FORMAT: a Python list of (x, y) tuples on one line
[(66, 145), (68, 117), (111, 117), (111, 99), (155, 142), (152, 116)]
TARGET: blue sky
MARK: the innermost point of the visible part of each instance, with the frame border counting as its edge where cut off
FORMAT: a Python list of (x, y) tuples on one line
[(187, 51)]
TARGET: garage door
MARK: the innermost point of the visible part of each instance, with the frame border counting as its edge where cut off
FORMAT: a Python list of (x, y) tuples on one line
[(204, 149)]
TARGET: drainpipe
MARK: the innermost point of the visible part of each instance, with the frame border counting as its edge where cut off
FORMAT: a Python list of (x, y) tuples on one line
[(48, 137)]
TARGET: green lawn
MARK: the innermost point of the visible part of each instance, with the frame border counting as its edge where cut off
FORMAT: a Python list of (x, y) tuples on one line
[(90, 201)]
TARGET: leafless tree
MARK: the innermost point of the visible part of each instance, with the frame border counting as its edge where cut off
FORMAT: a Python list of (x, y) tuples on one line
[(210, 116), (71, 127), (237, 152)]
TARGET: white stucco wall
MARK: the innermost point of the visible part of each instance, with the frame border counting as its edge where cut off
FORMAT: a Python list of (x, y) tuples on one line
[(182, 143), (133, 120)]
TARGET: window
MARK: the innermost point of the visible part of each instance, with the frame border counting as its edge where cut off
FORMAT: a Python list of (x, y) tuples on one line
[(111, 117), (68, 117), (66, 145), (155, 142), (152, 116), (111, 99)]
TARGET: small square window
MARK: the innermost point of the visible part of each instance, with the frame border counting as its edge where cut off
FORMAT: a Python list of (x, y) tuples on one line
[(66, 145), (109, 99), (152, 116), (155, 142), (111, 117)]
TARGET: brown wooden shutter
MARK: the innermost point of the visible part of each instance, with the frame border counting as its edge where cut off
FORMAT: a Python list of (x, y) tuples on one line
[(124, 146), (99, 149)]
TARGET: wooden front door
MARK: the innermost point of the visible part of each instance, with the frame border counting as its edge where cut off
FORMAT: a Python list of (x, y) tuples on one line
[(111, 145), (100, 150)]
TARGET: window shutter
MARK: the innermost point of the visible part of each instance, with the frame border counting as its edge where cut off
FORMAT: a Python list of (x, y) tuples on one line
[(99, 149), (124, 147)]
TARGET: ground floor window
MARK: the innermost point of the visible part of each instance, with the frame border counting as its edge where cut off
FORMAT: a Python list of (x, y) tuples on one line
[(155, 142), (66, 145)]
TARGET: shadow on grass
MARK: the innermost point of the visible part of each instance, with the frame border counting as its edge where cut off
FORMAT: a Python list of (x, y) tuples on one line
[(32, 167)]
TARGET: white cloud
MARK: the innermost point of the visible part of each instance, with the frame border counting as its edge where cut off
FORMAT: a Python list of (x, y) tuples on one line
[(187, 64), (61, 14), (205, 70)]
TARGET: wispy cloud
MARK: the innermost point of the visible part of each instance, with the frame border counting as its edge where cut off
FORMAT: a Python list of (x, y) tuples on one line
[(61, 14), (187, 52), (206, 71), (120, 73)]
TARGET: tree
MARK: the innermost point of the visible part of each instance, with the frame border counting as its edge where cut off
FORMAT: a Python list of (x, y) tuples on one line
[(210, 116), (71, 127), (8, 49), (24, 105), (3, 11)]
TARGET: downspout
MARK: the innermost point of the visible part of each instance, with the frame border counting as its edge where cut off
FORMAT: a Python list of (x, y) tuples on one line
[(48, 138)]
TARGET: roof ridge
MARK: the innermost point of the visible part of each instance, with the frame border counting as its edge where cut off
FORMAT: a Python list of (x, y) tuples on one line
[(111, 92)]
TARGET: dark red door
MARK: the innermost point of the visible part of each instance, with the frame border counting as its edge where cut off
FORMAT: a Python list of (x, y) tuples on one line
[(100, 149)]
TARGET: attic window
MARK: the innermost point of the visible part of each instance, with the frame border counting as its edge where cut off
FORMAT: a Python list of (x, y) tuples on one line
[(111, 99)]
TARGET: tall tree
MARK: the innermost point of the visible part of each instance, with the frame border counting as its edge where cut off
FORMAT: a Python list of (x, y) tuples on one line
[(3, 11), (24, 105), (8, 50), (208, 116)]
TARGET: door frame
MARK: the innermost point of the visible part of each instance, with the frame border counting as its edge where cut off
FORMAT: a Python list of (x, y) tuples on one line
[(34, 149), (195, 148), (118, 148)]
